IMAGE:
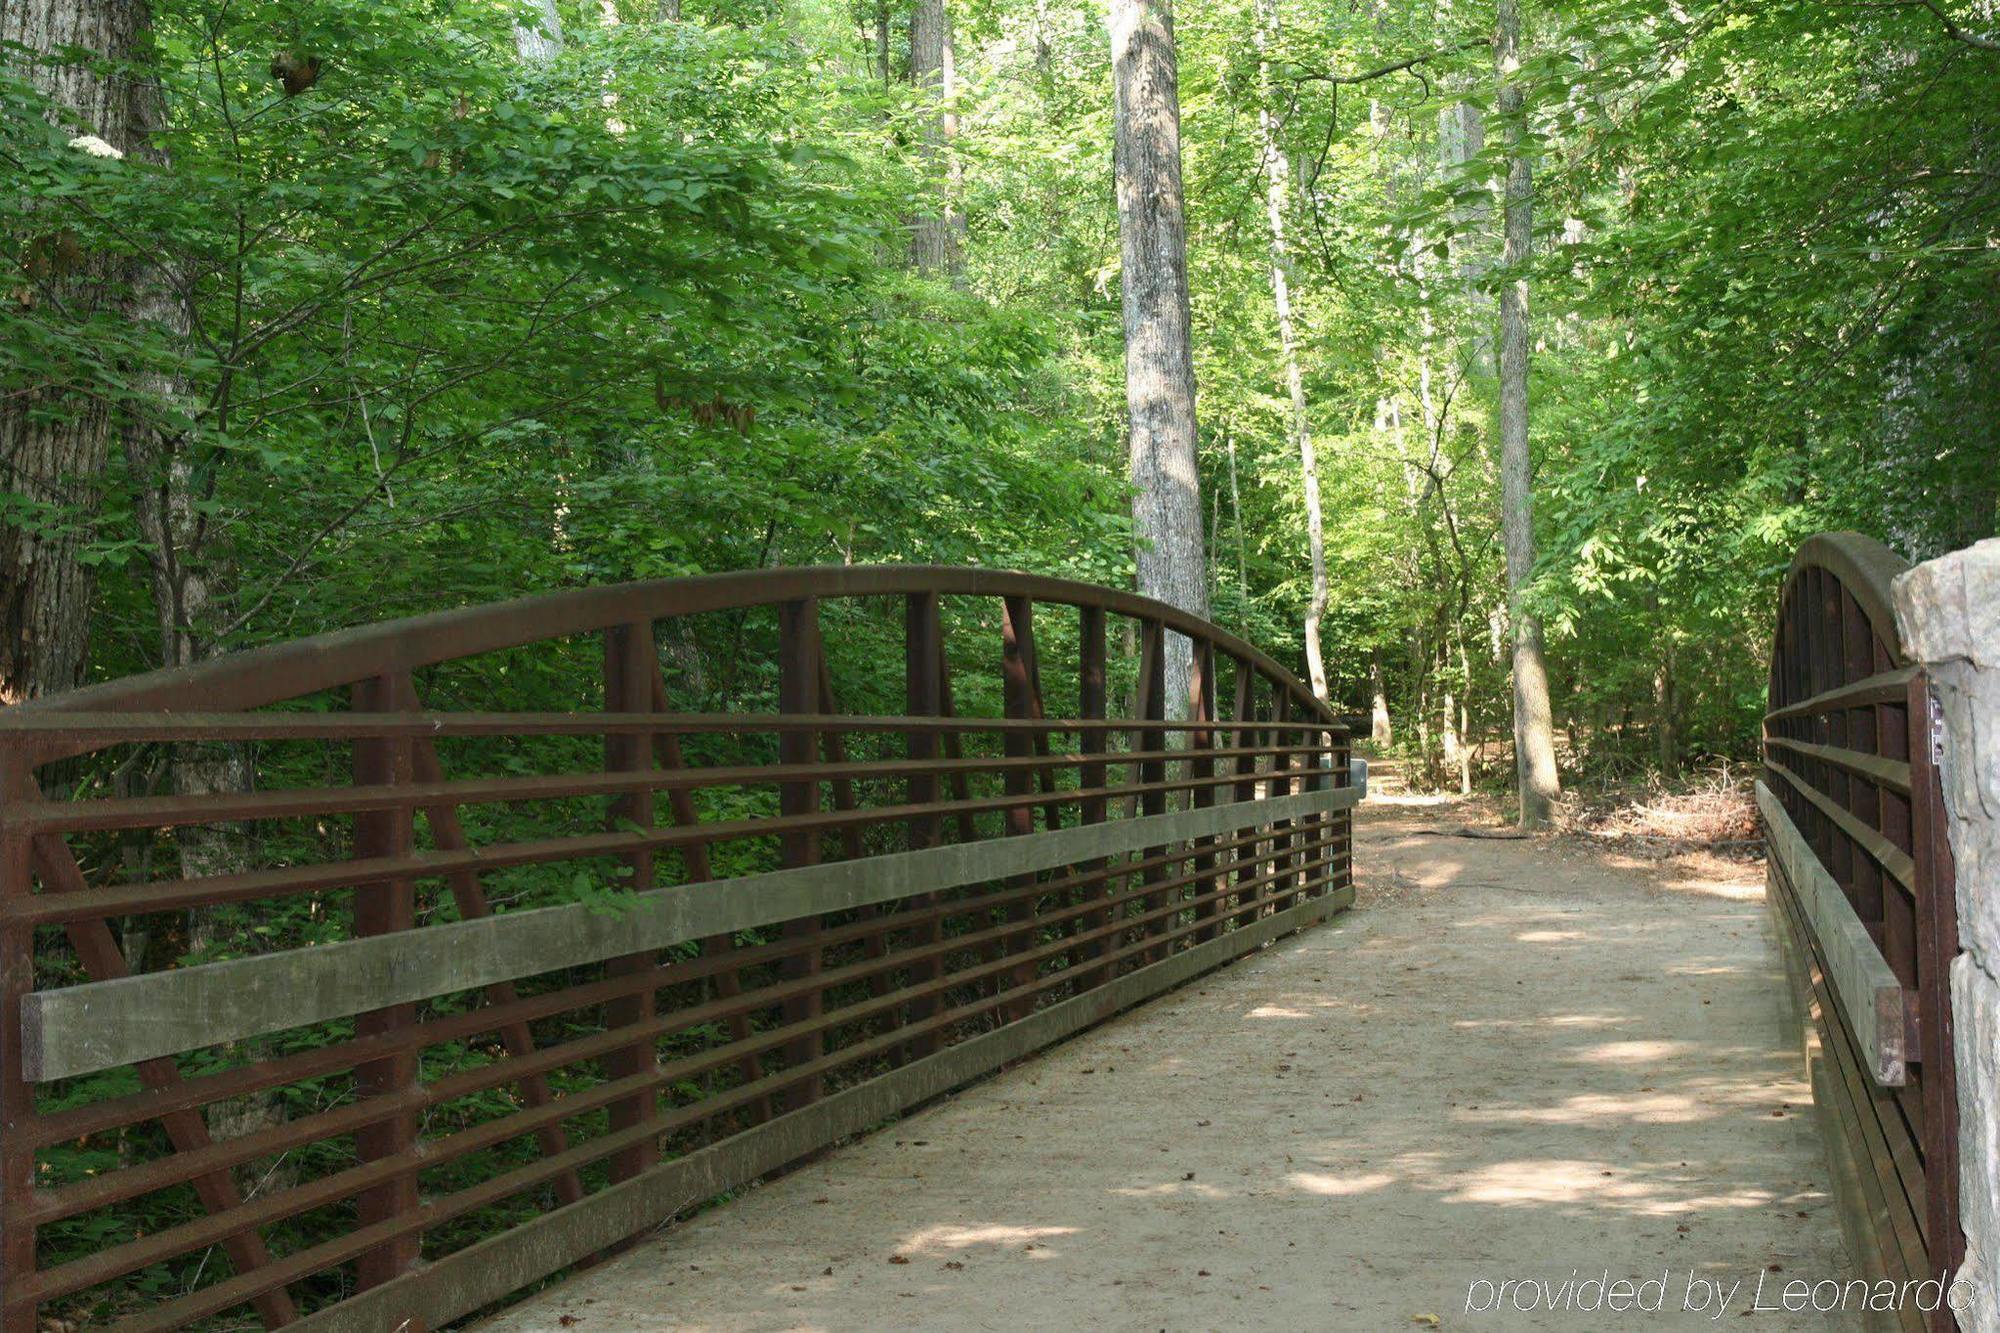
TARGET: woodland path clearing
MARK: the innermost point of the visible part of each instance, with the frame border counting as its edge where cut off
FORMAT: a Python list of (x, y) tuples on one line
[(1513, 1059)]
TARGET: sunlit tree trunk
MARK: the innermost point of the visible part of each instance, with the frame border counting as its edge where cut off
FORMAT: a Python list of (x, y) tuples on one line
[(1461, 138), (1277, 183), (1236, 526), (1379, 730), (934, 240), (607, 15), (1159, 357), (54, 442), (1534, 734), (542, 39)]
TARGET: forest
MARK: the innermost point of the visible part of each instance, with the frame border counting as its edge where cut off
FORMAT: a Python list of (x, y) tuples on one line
[(443, 303), (1485, 361)]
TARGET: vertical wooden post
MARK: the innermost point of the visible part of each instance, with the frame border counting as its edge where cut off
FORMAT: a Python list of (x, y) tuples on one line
[(1090, 706), (17, 1097), (798, 692), (1152, 707), (630, 660), (1201, 708), (1936, 945), (379, 908), (923, 632)]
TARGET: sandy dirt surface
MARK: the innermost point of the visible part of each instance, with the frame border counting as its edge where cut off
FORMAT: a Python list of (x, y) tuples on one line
[(1512, 1060)]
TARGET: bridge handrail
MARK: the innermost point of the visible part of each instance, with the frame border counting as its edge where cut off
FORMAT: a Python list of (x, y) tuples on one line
[(258, 677), (1861, 884), (787, 925)]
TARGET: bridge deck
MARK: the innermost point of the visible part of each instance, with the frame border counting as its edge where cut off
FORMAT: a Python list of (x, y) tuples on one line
[(1539, 1061)]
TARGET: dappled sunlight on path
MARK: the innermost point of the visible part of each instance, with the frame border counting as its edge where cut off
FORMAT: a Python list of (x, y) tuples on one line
[(1514, 1059)]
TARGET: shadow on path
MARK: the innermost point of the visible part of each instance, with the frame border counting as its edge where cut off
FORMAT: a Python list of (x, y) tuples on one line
[(1514, 1059)]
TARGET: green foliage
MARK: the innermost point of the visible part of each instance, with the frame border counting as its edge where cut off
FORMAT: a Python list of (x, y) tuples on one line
[(461, 328)]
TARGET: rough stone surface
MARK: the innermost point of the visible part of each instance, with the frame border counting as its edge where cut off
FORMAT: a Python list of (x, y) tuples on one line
[(1514, 1059), (1948, 612), (1975, 1004)]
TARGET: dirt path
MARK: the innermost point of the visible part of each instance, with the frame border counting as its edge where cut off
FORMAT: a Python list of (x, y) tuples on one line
[(1512, 1060)]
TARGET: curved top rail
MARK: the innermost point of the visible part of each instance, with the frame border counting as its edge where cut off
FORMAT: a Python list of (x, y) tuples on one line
[(1865, 568), (266, 675)]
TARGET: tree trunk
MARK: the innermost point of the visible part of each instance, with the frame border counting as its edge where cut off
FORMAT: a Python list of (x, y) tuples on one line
[(1159, 356), (541, 40), (934, 236), (1379, 730), (1461, 138), (1277, 180), (158, 432), (1666, 703), (1534, 735), (1466, 745), (54, 443), (1236, 525)]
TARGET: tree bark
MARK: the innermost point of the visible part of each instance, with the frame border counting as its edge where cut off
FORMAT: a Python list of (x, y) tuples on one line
[(1461, 138), (169, 479), (541, 40), (1666, 706), (55, 442), (1159, 355), (1236, 526), (1534, 734), (934, 238), (1277, 183), (1379, 729)]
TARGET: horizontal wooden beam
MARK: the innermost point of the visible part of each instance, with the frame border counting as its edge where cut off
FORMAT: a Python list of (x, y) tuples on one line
[(1869, 994), (486, 1272), (102, 1025)]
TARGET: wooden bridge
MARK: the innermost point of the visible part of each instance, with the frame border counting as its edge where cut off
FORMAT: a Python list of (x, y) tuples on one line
[(531, 983)]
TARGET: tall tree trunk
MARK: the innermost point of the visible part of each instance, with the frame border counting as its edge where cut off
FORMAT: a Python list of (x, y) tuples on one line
[(1467, 744), (933, 69), (607, 16), (169, 482), (1236, 525), (54, 442), (1379, 729), (1277, 182), (1666, 706), (541, 40), (1461, 138), (1534, 735), (1159, 356)]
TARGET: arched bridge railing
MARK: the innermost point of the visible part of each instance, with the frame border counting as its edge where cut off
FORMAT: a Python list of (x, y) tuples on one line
[(469, 947), (1861, 883)]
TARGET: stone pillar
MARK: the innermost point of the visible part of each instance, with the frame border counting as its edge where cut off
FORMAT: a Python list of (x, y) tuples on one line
[(1948, 612)]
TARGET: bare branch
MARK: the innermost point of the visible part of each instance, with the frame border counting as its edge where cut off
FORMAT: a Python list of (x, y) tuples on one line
[(1396, 67)]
